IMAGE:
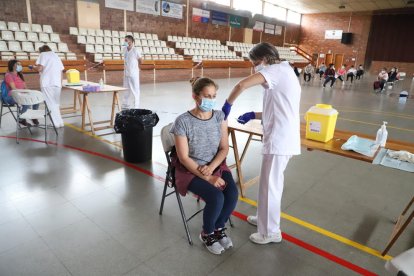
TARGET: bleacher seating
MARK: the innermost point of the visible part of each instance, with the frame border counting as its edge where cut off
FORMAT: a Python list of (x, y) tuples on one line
[(22, 41), (106, 44)]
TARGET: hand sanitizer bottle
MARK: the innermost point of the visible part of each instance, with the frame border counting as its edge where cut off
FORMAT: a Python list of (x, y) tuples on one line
[(382, 135), (101, 83)]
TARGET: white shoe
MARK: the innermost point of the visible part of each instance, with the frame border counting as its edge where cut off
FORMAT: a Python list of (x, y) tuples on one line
[(212, 244), (223, 239), (263, 239), (252, 220)]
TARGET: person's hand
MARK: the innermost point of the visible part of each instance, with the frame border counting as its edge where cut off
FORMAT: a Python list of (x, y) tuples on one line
[(246, 117), (226, 109), (205, 170), (216, 181)]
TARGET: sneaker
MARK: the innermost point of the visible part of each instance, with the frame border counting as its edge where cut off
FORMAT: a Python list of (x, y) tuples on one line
[(223, 239), (35, 122), (24, 123), (263, 239), (211, 243), (252, 220)]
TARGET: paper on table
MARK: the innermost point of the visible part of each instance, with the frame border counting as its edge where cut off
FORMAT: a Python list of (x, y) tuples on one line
[(384, 159), (363, 146)]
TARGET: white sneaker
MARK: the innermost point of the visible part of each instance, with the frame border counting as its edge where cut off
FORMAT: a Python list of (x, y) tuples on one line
[(223, 239), (211, 243), (252, 220), (263, 239)]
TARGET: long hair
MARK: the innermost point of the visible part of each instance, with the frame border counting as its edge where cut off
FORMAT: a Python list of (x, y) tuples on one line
[(264, 51), (10, 67), (198, 84)]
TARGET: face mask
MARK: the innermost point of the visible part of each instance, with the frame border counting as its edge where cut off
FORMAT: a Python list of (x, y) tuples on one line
[(207, 105), (259, 67), (125, 44), (19, 68)]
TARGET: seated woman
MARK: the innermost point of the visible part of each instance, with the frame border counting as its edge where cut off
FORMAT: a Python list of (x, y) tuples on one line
[(14, 80), (393, 75), (201, 142)]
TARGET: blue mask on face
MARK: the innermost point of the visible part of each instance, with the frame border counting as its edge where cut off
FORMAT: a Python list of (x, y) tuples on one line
[(125, 44), (19, 68), (207, 105)]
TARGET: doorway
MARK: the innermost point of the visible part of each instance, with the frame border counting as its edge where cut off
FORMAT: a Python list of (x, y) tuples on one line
[(339, 60), (328, 59)]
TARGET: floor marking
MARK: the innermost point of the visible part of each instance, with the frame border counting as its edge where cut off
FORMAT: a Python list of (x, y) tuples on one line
[(376, 124), (287, 237), (324, 232)]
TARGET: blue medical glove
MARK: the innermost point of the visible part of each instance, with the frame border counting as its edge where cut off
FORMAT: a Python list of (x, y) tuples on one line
[(226, 109), (246, 117)]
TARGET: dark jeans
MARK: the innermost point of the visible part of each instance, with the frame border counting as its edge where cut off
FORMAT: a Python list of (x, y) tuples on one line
[(359, 74), (327, 79), (306, 76), (382, 84), (321, 74), (340, 78), (350, 75), (219, 204)]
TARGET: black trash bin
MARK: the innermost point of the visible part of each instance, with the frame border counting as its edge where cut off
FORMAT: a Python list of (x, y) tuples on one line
[(135, 126)]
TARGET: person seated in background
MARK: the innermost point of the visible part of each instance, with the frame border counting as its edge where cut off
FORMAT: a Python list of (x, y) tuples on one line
[(14, 80), (330, 75), (202, 145), (342, 72), (383, 77), (393, 75), (322, 69), (351, 73), (360, 72), (308, 72)]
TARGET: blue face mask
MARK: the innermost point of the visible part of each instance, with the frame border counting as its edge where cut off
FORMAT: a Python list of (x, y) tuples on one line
[(207, 105), (19, 68), (125, 44)]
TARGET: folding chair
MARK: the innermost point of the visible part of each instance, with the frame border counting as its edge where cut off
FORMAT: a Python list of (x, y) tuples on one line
[(167, 140), (31, 97), (9, 107)]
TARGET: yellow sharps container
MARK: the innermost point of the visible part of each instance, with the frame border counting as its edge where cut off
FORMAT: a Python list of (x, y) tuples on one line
[(320, 122), (73, 76)]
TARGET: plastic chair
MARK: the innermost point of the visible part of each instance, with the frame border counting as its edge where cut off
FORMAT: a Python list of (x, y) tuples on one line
[(168, 145), (31, 97)]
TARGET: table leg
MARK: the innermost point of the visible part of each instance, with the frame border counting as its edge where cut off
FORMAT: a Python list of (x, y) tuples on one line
[(80, 100), (83, 111), (115, 102), (86, 102), (246, 147), (238, 164)]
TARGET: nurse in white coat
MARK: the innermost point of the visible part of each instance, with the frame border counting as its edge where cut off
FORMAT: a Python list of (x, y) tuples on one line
[(132, 60), (50, 67), (281, 133)]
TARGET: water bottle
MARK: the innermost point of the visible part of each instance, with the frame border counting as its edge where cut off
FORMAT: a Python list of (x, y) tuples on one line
[(101, 83)]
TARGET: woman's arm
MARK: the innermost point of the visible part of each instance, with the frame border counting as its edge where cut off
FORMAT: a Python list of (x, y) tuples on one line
[(244, 84), (181, 145), (12, 85), (222, 152)]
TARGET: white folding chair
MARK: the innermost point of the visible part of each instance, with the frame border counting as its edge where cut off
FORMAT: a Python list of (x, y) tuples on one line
[(73, 30), (47, 29), (31, 97)]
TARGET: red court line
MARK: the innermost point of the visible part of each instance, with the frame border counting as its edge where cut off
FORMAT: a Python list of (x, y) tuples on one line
[(241, 216)]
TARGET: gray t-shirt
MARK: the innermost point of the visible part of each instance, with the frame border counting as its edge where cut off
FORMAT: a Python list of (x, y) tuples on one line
[(203, 135)]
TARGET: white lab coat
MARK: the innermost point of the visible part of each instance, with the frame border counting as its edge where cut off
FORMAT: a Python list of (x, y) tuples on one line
[(51, 83), (281, 140), (131, 77)]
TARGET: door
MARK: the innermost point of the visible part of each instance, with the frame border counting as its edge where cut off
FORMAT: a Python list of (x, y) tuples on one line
[(339, 59), (328, 59), (315, 59)]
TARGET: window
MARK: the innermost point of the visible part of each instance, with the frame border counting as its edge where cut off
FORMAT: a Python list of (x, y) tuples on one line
[(274, 11), (293, 17), (221, 2), (255, 6)]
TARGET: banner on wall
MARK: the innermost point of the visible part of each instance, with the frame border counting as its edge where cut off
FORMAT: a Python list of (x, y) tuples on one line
[(173, 10), (258, 26), (278, 30), (235, 21), (200, 15), (333, 34), (120, 4), (148, 6), (269, 28), (219, 18)]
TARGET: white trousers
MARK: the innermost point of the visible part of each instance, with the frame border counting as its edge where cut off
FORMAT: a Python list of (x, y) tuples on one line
[(270, 193), (52, 97), (132, 85)]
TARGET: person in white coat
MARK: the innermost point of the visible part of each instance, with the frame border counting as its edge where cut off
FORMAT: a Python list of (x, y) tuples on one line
[(50, 67), (132, 60), (281, 133)]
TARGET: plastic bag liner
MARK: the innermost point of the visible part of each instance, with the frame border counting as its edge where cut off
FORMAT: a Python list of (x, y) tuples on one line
[(135, 120)]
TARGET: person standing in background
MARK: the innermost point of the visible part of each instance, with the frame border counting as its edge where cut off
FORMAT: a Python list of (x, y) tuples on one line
[(50, 68), (132, 59)]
